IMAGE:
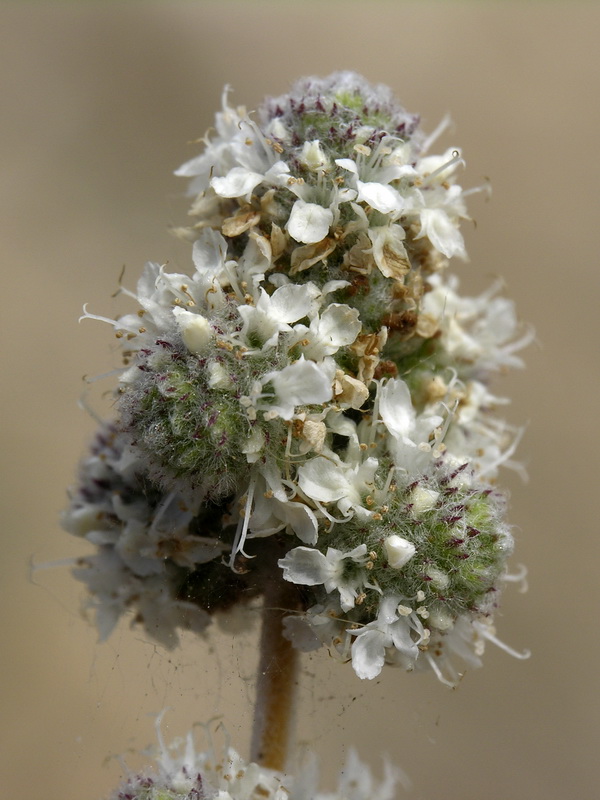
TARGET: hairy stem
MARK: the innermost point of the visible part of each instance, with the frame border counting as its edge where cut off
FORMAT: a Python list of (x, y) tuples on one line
[(277, 680)]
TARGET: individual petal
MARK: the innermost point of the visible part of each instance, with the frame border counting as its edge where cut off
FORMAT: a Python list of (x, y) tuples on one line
[(301, 519), (368, 653), (389, 252), (380, 197), (271, 515), (402, 639), (208, 253), (301, 383), (305, 565), (321, 480), (339, 325), (348, 164), (396, 409), (309, 222), (388, 608), (239, 182), (277, 174), (289, 303)]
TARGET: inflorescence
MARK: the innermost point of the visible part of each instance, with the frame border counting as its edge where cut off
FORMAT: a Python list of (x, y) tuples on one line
[(182, 773), (311, 404)]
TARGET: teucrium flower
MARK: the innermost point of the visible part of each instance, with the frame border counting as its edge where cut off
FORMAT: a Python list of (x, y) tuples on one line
[(182, 773), (311, 403)]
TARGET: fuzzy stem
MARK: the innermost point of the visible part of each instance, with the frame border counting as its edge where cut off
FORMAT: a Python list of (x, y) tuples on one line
[(276, 681)]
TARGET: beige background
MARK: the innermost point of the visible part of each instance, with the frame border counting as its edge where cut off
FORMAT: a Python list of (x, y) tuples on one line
[(98, 103)]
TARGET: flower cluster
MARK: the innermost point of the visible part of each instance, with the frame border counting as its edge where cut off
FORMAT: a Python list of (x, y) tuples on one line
[(311, 403), (183, 774)]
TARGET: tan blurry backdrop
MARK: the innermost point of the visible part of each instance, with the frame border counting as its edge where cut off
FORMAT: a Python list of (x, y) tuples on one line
[(98, 103)]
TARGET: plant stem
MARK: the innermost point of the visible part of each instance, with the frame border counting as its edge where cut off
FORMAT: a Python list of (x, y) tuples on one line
[(277, 680)]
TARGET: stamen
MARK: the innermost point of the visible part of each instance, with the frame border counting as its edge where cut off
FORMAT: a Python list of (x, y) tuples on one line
[(162, 508), (388, 482), (484, 631), (166, 761), (60, 562), (86, 315), (242, 528), (456, 159), (112, 372), (437, 670), (504, 457), (518, 577), (443, 125), (229, 267)]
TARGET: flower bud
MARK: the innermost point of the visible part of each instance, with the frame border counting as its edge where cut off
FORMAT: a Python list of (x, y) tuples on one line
[(399, 551)]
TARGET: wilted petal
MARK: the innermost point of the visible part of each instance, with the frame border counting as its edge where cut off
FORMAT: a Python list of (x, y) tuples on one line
[(389, 251)]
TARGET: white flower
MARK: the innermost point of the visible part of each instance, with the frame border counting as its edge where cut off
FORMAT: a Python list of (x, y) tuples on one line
[(372, 641), (479, 332), (272, 313), (335, 570), (241, 181), (182, 773), (379, 196), (272, 514), (336, 327), (330, 480), (238, 182), (410, 432), (441, 232), (300, 383), (230, 128), (143, 546)]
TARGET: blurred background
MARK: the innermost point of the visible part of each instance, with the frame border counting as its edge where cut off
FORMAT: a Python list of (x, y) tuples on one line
[(99, 103)]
